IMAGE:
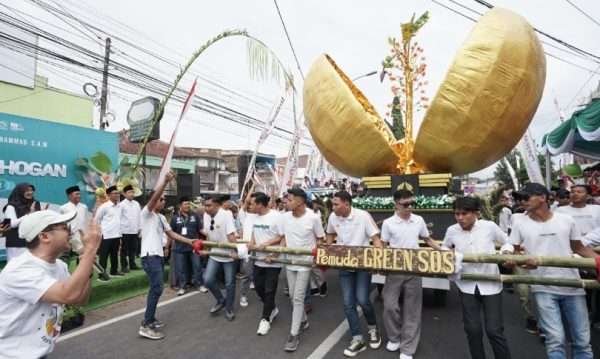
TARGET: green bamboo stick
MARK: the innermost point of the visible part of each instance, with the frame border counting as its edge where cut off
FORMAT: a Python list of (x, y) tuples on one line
[(523, 279), (565, 262), (534, 280)]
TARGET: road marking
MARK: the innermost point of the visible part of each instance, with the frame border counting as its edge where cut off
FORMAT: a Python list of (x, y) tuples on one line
[(119, 318), (332, 339)]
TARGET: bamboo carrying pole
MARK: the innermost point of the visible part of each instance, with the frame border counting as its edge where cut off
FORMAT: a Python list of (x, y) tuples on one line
[(565, 262), (524, 279)]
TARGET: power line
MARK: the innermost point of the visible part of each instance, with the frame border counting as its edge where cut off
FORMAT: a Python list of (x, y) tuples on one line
[(289, 39), (583, 13)]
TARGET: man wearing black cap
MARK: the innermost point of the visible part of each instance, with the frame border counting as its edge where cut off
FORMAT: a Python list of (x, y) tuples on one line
[(78, 224), (130, 228), (541, 232), (109, 217)]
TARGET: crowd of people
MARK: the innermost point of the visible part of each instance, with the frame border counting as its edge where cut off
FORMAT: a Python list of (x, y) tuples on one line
[(36, 283)]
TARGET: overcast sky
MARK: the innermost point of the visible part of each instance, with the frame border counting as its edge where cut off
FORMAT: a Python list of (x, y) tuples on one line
[(354, 33)]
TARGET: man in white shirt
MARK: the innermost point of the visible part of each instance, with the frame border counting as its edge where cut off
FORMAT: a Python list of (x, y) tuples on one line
[(403, 322), (504, 217), (220, 227), (267, 230), (586, 216), (472, 235), (543, 233), (155, 228), (35, 286), (355, 227), (130, 228), (246, 216), (80, 221), (109, 217), (302, 229)]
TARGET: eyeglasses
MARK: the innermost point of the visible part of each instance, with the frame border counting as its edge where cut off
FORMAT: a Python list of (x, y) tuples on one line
[(212, 224), (407, 204)]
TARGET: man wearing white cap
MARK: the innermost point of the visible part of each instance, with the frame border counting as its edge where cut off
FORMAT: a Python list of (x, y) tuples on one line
[(35, 286)]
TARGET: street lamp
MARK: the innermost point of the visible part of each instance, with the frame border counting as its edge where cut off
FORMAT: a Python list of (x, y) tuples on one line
[(365, 75)]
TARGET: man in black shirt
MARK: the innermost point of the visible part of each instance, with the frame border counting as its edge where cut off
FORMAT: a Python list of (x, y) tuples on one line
[(188, 224)]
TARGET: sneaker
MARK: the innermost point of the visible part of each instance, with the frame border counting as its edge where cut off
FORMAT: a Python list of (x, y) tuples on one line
[(147, 332), (374, 338), (323, 290), (229, 315), (405, 356), (156, 324), (263, 327), (243, 301), (273, 315), (531, 326), (304, 326), (180, 292), (217, 308), (203, 289), (292, 343), (356, 346), (314, 292), (392, 346)]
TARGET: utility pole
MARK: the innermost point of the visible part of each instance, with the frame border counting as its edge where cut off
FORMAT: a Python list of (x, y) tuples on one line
[(103, 124)]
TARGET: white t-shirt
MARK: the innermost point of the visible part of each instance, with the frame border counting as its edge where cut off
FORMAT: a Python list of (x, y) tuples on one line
[(154, 228), (482, 238), (586, 218), (222, 225), (302, 232), (28, 326), (354, 230), (504, 219), (247, 224), (109, 217), (265, 228), (401, 233), (130, 216), (550, 238)]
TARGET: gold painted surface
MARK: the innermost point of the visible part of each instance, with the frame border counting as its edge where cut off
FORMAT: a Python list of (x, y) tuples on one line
[(480, 112), (488, 98), (344, 125)]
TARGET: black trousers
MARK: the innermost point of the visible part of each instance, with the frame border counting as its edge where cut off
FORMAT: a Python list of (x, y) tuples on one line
[(129, 250), (265, 283), (472, 306), (109, 246)]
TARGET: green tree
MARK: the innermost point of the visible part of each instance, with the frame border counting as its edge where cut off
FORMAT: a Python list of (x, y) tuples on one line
[(397, 124)]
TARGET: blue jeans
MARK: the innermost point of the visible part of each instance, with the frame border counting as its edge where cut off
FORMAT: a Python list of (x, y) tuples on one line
[(153, 266), (210, 281), (355, 290), (551, 309), (182, 268)]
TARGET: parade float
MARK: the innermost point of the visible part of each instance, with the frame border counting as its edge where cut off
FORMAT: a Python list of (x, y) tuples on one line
[(479, 113)]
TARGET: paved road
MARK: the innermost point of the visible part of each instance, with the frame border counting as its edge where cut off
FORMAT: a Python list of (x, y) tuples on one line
[(193, 333)]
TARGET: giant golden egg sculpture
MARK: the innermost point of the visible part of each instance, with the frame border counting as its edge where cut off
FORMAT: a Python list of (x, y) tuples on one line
[(480, 112)]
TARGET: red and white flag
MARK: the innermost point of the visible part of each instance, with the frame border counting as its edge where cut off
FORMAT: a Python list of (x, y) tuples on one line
[(166, 162)]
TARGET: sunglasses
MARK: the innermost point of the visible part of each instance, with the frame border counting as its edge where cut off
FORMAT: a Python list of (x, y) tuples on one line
[(212, 224), (407, 204)]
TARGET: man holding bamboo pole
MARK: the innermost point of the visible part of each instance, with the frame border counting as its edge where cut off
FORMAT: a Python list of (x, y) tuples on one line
[(403, 322), (544, 233), (472, 235), (267, 230), (355, 227), (302, 229)]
